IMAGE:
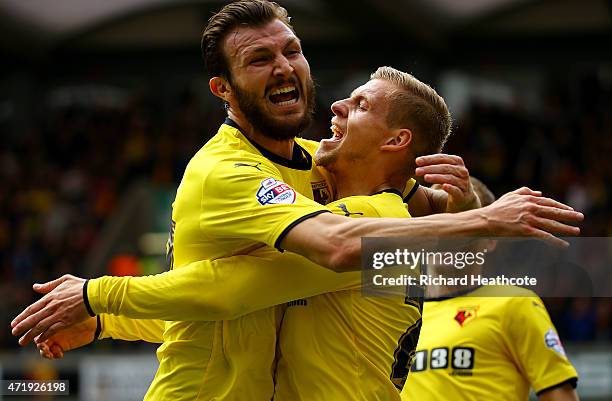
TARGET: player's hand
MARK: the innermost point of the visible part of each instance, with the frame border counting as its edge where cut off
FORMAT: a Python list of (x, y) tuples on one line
[(61, 307), (525, 212), (68, 339), (450, 173)]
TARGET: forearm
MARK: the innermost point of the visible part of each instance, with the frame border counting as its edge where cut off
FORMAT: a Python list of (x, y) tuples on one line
[(335, 242), (181, 294), (223, 289)]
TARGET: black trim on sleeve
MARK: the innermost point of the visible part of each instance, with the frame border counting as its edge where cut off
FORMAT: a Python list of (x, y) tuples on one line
[(98, 328), (572, 381), (86, 300), (412, 192), (295, 223), (302, 160)]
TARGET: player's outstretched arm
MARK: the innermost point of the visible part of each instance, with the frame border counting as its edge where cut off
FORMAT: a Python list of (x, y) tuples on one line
[(102, 326), (335, 242), (223, 289), (561, 393)]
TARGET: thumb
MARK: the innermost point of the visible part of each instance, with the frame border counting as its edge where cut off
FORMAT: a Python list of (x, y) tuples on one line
[(48, 286)]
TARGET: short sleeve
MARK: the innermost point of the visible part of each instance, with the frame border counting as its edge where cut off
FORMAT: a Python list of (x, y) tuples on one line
[(252, 201), (535, 344)]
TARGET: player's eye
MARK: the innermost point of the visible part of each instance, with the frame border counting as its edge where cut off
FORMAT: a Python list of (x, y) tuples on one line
[(259, 60)]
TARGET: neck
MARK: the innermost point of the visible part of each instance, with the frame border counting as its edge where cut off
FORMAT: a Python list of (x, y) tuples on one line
[(438, 291), (362, 179), (282, 148)]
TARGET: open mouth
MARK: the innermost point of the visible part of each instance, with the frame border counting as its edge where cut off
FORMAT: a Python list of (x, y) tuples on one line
[(284, 96), (337, 131)]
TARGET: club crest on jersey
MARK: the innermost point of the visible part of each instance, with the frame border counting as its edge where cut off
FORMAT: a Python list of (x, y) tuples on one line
[(321, 192), (465, 315), (552, 341), (274, 192)]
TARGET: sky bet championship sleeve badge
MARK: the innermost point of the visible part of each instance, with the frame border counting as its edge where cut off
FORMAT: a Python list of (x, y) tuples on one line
[(552, 340), (273, 192)]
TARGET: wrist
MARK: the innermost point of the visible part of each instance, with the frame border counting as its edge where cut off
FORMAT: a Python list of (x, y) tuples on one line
[(479, 222)]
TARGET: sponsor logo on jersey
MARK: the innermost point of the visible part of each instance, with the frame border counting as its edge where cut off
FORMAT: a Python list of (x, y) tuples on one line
[(465, 315), (274, 192), (321, 192), (298, 302), (552, 341)]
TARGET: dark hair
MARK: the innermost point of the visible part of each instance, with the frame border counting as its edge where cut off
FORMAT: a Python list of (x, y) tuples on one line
[(244, 12), (417, 106)]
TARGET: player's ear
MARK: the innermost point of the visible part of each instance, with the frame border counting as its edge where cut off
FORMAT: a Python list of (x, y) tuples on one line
[(399, 140), (221, 88)]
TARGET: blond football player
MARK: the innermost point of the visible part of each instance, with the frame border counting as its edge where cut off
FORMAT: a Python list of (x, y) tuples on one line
[(250, 185)]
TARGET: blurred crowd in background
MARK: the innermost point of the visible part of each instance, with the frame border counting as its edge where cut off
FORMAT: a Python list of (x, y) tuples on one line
[(63, 179)]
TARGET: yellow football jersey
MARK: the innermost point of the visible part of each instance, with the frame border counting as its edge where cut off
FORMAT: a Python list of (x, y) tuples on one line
[(482, 347), (230, 359), (343, 345), (233, 198)]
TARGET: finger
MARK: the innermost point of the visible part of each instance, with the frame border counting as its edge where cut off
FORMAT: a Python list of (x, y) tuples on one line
[(553, 226), (57, 351), (526, 191), (51, 331), (453, 191), (44, 351), (446, 179), (27, 323), (459, 171), (50, 285), (557, 214), (550, 239), (36, 330), (45, 354), (551, 202), (439, 158)]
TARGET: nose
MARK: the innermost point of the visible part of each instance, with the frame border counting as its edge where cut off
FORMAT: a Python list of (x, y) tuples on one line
[(283, 67), (339, 108)]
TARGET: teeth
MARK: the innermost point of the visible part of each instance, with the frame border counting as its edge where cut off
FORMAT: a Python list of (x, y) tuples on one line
[(287, 103), (336, 131), (283, 90)]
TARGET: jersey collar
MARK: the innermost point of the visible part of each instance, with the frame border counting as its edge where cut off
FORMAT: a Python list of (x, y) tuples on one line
[(391, 191), (302, 160)]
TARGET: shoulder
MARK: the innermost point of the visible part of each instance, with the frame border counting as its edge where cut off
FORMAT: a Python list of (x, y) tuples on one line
[(353, 206), (309, 145)]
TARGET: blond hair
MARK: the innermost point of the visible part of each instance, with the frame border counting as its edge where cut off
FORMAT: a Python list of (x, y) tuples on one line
[(418, 107)]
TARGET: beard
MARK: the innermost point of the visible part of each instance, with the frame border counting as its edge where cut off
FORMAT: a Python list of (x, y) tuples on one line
[(277, 129), (325, 159)]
